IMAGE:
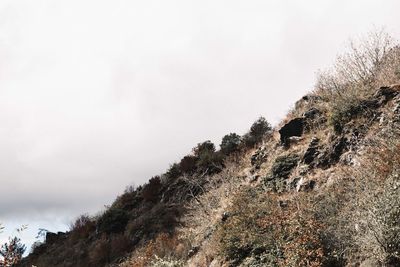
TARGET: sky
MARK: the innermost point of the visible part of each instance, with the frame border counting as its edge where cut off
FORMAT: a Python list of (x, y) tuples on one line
[(98, 95)]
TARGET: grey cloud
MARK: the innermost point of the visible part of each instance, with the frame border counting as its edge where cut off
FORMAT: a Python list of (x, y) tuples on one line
[(97, 95)]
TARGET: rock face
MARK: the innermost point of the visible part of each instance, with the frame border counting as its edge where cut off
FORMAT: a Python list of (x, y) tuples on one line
[(331, 154), (312, 151), (294, 127)]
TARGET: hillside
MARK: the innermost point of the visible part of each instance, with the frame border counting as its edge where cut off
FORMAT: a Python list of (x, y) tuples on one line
[(321, 189)]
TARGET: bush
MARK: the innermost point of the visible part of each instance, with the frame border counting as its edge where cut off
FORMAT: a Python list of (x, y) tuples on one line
[(174, 171), (230, 143), (188, 164), (82, 227), (284, 165), (151, 191), (205, 159), (205, 147), (261, 233), (113, 221), (161, 218), (372, 62), (258, 131), (210, 162), (11, 252), (100, 252)]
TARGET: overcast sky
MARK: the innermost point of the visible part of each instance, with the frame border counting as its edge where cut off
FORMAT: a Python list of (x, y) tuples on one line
[(97, 95)]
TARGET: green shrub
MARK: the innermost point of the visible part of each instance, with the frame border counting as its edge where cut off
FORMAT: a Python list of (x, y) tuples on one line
[(258, 131), (113, 221), (284, 165), (259, 232), (174, 171), (207, 159), (205, 147), (280, 171), (151, 191), (82, 227), (188, 164), (230, 143)]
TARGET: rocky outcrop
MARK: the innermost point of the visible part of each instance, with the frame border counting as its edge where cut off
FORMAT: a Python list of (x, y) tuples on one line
[(312, 151), (258, 158), (330, 155), (295, 127)]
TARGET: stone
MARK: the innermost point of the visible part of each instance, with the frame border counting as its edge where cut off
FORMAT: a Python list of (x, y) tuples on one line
[(225, 216), (295, 127), (305, 185)]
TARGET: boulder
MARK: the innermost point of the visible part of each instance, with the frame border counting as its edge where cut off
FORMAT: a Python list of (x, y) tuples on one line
[(294, 127)]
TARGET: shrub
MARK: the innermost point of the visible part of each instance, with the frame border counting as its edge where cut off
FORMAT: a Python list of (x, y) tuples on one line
[(188, 164), (100, 252), (161, 218), (11, 252), (120, 245), (128, 200), (151, 191), (258, 131), (230, 143), (371, 62), (82, 227), (261, 233), (284, 165), (207, 159), (174, 171), (113, 221), (210, 162), (205, 147)]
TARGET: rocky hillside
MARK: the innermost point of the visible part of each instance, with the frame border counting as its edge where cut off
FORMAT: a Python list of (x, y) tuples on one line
[(322, 189)]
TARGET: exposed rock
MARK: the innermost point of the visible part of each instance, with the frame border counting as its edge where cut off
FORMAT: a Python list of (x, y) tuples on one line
[(294, 127), (225, 216), (193, 251), (331, 154), (312, 113), (312, 151), (396, 109), (385, 93), (259, 157), (283, 204), (307, 99), (305, 185), (53, 237), (254, 178), (293, 184)]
